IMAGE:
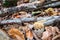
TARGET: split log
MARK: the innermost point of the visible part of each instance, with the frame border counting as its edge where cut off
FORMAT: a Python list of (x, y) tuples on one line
[(49, 20)]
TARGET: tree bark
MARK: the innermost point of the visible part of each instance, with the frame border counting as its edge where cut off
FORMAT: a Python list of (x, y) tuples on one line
[(49, 20), (25, 6)]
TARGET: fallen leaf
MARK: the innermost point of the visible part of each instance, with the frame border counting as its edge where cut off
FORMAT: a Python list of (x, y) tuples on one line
[(29, 34), (15, 33), (46, 34), (23, 12), (50, 33), (26, 1)]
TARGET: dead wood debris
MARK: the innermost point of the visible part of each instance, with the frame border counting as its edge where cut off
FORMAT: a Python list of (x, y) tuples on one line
[(50, 33), (30, 20)]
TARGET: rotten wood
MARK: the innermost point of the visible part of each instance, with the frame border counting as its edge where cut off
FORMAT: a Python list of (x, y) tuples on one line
[(18, 20), (54, 4), (26, 6), (49, 20)]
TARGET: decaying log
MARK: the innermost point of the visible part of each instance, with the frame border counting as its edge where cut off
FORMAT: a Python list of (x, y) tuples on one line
[(49, 20), (49, 2), (11, 21), (54, 4), (18, 20), (24, 6), (32, 19), (27, 6), (52, 20)]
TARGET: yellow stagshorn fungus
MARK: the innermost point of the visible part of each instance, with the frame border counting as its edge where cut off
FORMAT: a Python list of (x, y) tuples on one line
[(39, 24), (51, 12)]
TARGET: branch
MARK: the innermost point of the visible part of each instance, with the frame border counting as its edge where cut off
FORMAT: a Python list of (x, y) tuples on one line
[(55, 4), (25, 6), (49, 20), (35, 36), (56, 37)]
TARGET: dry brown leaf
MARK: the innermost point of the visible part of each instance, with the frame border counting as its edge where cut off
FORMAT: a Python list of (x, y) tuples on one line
[(46, 35), (26, 1), (59, 13), (15, 33), (16, 15), (50, 31), (56, 37), (42, 1), (23, 12), (29, 34)]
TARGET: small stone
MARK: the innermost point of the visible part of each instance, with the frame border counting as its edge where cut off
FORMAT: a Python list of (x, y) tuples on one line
[(3, 35)]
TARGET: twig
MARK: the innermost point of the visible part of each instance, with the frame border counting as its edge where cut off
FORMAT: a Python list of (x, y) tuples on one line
[(55, 37), (35, 36)]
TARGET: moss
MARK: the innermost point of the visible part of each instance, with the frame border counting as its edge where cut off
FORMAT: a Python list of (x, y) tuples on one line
[(10, 3)]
